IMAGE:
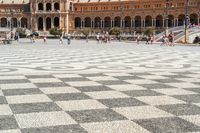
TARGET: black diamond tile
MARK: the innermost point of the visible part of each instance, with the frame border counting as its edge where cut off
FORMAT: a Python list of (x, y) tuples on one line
[(112, 82), (181, 109), (100, 115), (56, 129), (22, 92), (34, 107), (8, 122), (168, 125), (69, 96), (93, 88), (195, 98), (121, 102), (3, 100), (138, 93), (155, 86)]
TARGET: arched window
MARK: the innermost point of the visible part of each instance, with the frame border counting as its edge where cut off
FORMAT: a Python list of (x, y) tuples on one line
[(138, 21), (48, 23), (24, 22), (97, 22), (127, 21), (117, 22), (56, 6), (48, 6), (56, 22), (88, 22), (77, 22), (40, 23), (40, 7), (4, 22), (107, 22)]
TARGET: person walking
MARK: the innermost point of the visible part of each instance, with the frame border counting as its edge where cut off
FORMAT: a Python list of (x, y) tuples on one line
[(138, 39), (68, 39), (45, 39), (147, 40), (61, 39), (98, 38), (151, 39)]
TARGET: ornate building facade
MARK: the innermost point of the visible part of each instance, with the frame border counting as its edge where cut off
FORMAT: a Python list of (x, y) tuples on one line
[(73, 15)]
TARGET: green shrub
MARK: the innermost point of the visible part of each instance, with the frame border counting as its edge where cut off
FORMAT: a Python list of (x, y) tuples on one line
[(86, 31), (22, 32), (55, 31), (149, 32), (115, 31)]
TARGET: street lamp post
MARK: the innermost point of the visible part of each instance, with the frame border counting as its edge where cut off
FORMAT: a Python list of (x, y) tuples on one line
[(166, 16), (186, 22), (11, 20)]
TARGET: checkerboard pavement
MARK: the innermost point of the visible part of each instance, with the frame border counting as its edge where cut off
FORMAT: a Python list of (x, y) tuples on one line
[(115, 102)]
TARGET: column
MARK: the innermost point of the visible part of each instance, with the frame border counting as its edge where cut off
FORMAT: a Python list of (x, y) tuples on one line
[(141, 23), (18, 23), (44, 6), (121, 24), (92, 24), (163, 23), (152, 22), (112, 23), (144, 25), (198, 19), (131, 24), (44, 24)]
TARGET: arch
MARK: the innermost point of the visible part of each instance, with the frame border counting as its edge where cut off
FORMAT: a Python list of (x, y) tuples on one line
[(48, 6), (40, 23), (181, 20), (194, 19), (48, 23), (14, 22), (138, 21), (56, 6), (88, 22), (148, 21), (77, 22), (56, 22), (24, 22), (117, 21), (159, 21), (127, 21), (107, 22), (40, 7), (170, 20), (4, 22), (97, 22)]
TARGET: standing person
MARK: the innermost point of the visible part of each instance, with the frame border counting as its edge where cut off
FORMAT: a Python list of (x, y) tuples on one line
[(98, 38), (45, 38), (163, 41), (151, 39), (61, 39), (147, 40), (33, 39), (138, 39), (17, 36), (68, 39)]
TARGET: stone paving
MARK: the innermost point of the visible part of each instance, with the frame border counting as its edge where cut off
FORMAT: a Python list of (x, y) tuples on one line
[(99, 88)]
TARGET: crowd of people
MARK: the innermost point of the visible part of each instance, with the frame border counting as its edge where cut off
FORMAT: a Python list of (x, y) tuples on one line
[(168, 40)]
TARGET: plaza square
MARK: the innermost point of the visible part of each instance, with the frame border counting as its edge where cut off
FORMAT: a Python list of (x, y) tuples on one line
[(119, 87)]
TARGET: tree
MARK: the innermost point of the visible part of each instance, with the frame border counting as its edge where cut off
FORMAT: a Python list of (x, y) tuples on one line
[(86, 32), (149, 32), (55, 31), (22, 32), (115, 31)]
